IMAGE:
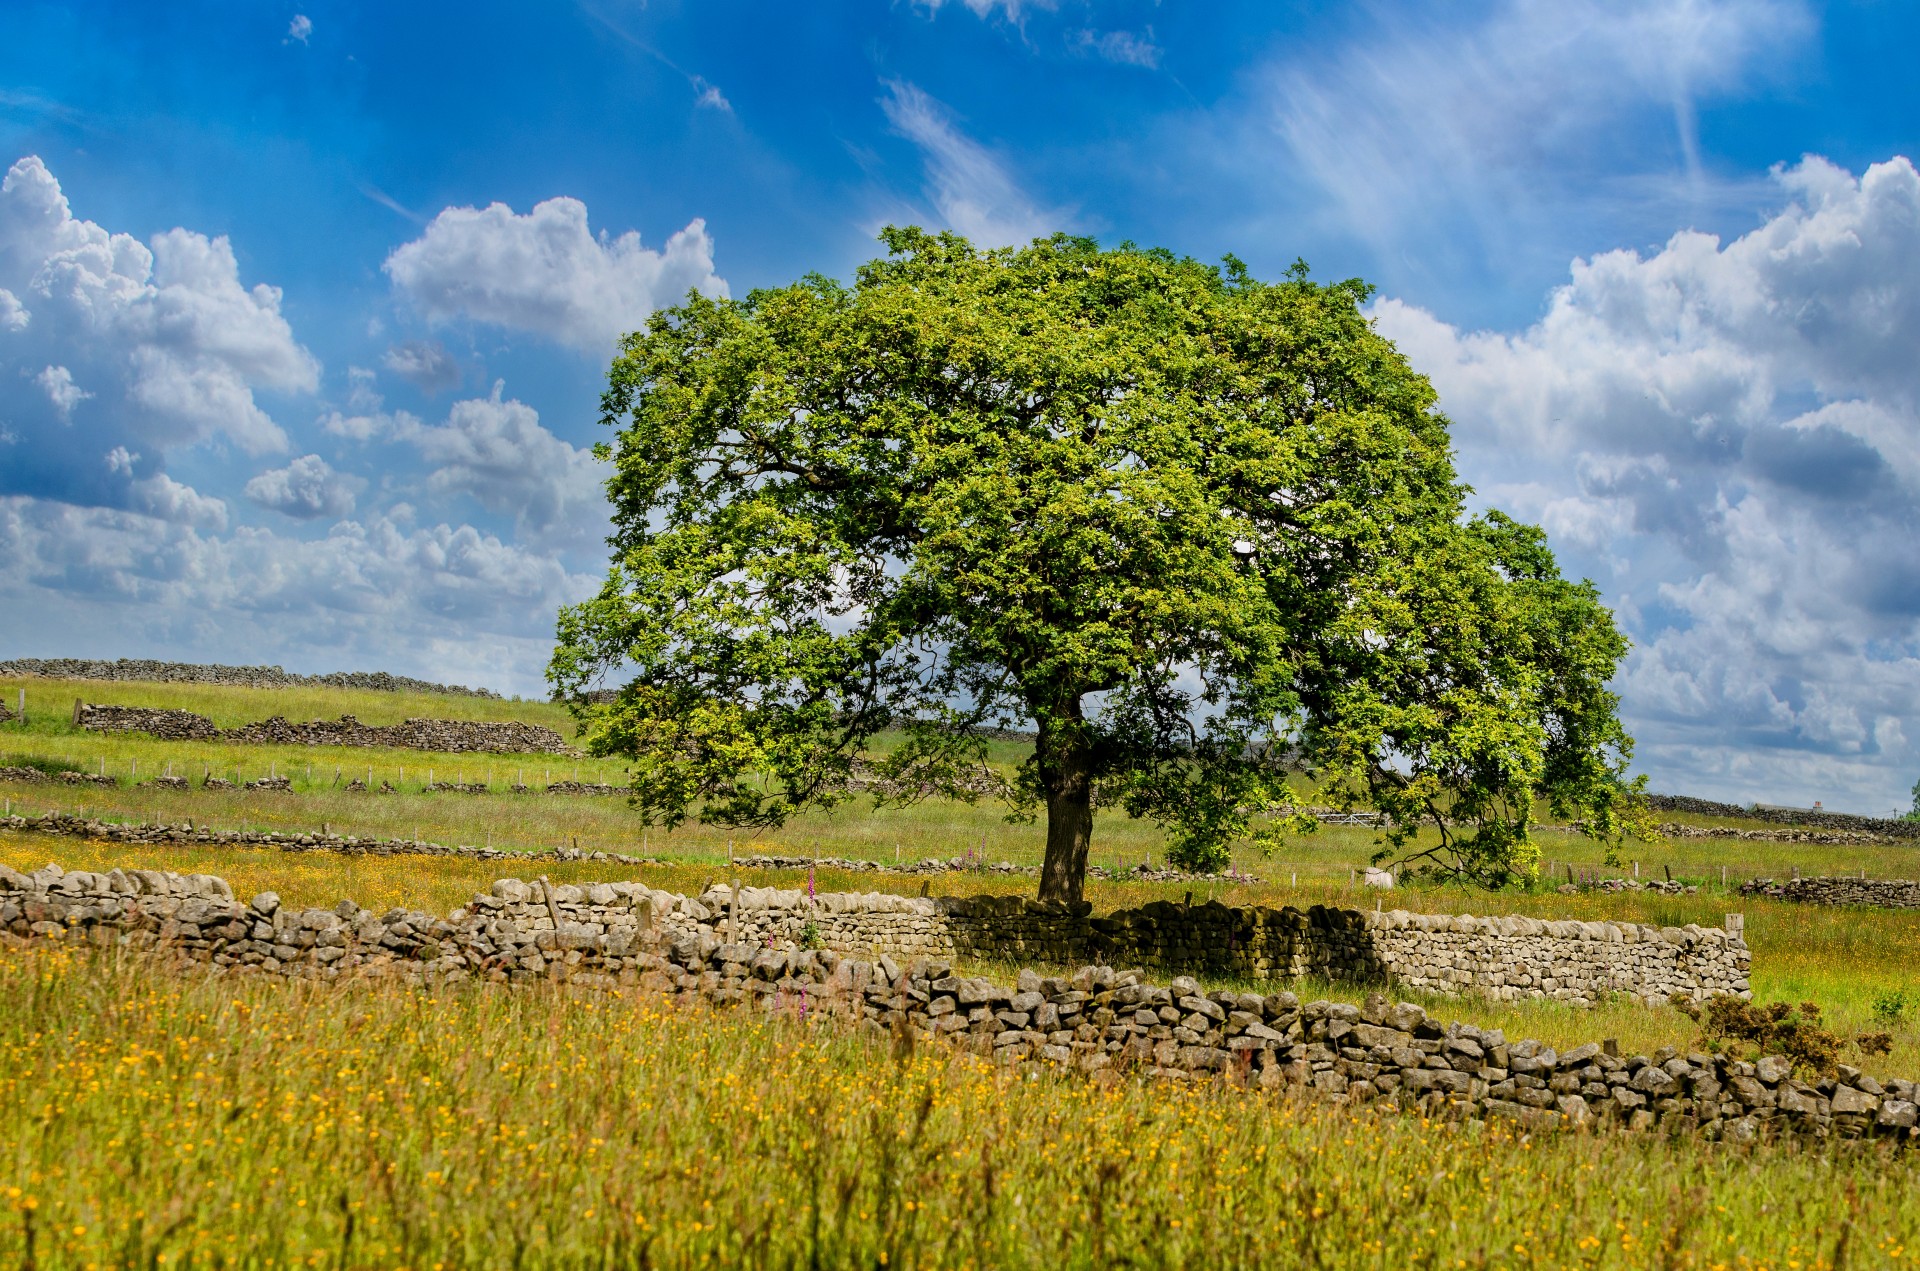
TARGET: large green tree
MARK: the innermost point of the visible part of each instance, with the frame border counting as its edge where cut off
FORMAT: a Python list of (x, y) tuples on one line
[(1201, 533)]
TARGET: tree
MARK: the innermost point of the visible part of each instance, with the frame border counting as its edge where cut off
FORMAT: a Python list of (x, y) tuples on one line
[(1201, 532)]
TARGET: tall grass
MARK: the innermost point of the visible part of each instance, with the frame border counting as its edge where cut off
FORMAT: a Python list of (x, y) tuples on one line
[(156, 1120), (1848, 961)]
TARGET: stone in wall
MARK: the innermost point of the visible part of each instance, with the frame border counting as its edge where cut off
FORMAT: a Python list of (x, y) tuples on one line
[(1097, 1021)]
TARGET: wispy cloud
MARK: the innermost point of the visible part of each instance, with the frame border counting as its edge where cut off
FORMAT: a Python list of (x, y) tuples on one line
[(969, 186), (1452, 148), (1122, 48)]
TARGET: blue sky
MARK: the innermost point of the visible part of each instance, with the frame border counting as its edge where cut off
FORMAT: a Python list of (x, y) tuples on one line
[(304, 307)]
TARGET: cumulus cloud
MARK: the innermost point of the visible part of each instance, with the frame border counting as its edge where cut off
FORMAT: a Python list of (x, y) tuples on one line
[(447, 601), (969, 186), (496, 450), (1728, 435), (155, 494), (162, 337), (546, 272), (57, 383), (300, 28), (305, 489), (425, 364)]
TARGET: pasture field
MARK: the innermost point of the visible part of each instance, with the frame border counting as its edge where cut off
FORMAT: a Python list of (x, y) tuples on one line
[(1855, 963), (153, 1119), (150, 1119)]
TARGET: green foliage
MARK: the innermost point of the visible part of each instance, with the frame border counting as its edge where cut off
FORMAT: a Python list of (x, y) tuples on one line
[(1913, 814), (1200, 531), (1891, 1007)]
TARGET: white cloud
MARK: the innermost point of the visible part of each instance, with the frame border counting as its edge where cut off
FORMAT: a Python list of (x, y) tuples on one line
[(57, 383), (305, 489), (449, 602), (300, 28), (497, 451), (1014, 11), (1122, 48), (425, 364), (547, 273), (159, 496), (710, 96), (1730, 434), (1453, 147), (971, 189), (164, 336)]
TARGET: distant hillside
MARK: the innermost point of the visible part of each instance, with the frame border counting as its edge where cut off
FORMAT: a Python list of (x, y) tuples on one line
[(210, 673)]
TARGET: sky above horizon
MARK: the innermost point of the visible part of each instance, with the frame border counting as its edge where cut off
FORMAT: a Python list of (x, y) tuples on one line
[(305, 308)]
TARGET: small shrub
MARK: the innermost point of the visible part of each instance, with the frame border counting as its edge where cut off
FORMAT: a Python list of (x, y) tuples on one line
[(1779, 1029), (810, 935), (1890, 1008)]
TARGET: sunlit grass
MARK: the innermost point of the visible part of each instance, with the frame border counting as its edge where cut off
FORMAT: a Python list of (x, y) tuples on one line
[(1846, 960), (148, 1119)]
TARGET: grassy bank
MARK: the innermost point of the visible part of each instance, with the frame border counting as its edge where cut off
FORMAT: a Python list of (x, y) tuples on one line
[(154, 1120)]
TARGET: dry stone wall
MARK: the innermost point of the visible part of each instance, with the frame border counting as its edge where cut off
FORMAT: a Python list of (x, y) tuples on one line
[(1787, 816), (454, 736), (1501, 957), (1882, 893), (1097, 1021), (144, 671)]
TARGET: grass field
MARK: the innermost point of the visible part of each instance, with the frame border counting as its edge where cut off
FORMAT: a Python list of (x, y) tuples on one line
[(1846, 960), (152, 1120), (156, 1120)]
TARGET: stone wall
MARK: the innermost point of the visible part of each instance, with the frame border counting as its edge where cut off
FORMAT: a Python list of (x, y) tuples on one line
[(1786, 816), (1504, 958), (453, 736), (1883, 893), (1096, 1021), (1499, 957), (245, 676), (161, 834)]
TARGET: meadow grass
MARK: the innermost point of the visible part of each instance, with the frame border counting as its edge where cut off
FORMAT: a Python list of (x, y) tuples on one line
[(1849, 961), (158, 1119)]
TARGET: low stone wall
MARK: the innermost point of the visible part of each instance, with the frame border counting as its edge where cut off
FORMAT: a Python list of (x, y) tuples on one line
[(1787, 816), (1096, 1021), (145, 671), (453, 736), (159, 834), (1881, 893), (1503, 957)]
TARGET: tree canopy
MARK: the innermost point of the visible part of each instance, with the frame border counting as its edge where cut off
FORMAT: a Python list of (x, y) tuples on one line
[(1200, 533)]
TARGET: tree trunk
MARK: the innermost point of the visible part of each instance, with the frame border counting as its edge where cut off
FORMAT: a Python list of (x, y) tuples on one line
[(1066, 774)]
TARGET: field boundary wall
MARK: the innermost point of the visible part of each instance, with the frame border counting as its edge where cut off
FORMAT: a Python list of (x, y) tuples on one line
[(1879, 893), (1097, 1021), (147, 671)]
